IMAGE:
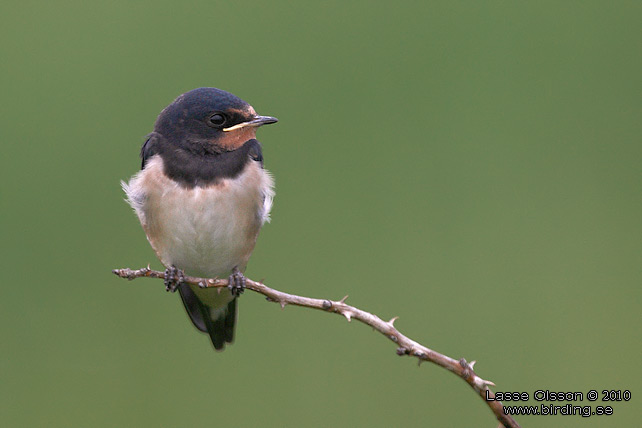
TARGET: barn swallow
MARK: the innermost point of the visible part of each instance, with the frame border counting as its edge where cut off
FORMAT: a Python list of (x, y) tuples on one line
[(202, 196)]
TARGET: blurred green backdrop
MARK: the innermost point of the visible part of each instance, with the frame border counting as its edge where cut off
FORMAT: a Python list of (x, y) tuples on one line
[(473, 167)]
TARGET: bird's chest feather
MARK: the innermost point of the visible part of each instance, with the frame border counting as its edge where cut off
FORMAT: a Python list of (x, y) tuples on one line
[(206, 231)]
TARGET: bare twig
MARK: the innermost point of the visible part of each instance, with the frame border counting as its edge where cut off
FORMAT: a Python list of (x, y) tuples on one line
[(405, 345)]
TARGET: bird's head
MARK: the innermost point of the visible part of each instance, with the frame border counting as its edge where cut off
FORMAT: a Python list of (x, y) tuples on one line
[(209, 120)]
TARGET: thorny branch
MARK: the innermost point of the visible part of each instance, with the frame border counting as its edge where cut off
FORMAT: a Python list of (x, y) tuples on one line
[(405, 345)]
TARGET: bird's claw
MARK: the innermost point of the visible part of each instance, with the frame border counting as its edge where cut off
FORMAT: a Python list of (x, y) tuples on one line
[(173, 278), (236, 282)]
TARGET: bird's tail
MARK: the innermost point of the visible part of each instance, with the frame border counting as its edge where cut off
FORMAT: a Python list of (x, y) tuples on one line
[(219, 324)]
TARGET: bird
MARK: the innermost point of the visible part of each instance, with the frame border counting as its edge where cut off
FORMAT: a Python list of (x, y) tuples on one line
[(202, 196)]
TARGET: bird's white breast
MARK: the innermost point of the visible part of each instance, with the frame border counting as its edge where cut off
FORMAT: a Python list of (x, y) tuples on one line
[(206, 231)]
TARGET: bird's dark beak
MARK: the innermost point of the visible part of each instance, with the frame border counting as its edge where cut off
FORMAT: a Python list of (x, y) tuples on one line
[(254, 123)]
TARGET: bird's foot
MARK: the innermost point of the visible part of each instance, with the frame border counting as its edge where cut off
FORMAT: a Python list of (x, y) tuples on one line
[(173, 278), (236, 282)]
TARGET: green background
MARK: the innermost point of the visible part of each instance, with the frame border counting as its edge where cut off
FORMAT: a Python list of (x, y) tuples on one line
[(472, 167)]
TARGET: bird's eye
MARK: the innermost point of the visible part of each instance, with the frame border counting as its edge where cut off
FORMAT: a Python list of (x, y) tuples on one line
[(216, 120)]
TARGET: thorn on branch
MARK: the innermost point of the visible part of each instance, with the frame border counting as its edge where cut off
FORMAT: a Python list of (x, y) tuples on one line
[(348, 316), (469, 372), (344, 299)]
